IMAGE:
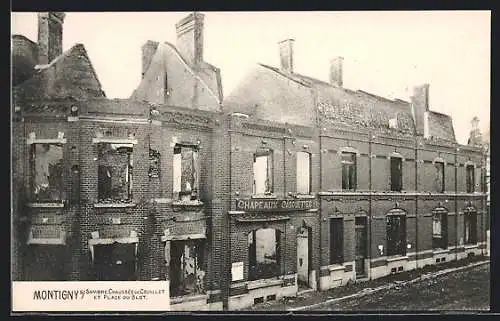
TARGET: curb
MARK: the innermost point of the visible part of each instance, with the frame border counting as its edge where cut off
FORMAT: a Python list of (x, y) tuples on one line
[(389, 286)]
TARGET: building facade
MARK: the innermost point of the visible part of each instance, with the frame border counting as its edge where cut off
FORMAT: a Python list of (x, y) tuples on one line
[(288, 184)]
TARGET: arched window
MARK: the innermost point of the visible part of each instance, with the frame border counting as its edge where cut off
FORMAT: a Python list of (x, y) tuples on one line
[(264, 253), (440, 228), (396, 232)]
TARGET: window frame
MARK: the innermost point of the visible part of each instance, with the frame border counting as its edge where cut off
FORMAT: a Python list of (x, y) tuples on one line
[(400, 175), (309, 170), (255, 268), (470, 180), (470, 215), (442, 176), (392, 247), (195, 188), (200, 263), (269, 154), (441, 241), (336, 253), (32, 168), (351, 179), (129, 174)]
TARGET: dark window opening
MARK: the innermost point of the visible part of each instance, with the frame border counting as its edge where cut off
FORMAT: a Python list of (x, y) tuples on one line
[(303, 173), (115, 172), (47, 172), (264, 249), (470, 221), (154, 163), (440, 230), (396, 235), (396, 174), (187, 272), (336, 240), (470, 181), (186, 169), (115, 262), (348, 171), (439, 177), (263, 173)]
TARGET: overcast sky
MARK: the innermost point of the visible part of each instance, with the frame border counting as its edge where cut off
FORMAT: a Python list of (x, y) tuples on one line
[(385, 53)]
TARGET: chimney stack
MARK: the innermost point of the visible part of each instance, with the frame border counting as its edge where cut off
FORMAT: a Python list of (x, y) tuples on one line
[(190, 37), (148, 50), (286, 55), (50, 36), (336, 76), (420, 109)]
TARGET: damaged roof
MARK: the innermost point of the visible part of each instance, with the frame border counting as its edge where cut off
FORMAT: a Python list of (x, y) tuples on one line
[(69, 76)]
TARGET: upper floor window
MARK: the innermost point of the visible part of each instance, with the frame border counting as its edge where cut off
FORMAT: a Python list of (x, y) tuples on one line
[(439, 178), (114, 176), (469, 169), (185, 172), (348, 171), (263, 172), (303, 173), (47, 172), (396, 174)]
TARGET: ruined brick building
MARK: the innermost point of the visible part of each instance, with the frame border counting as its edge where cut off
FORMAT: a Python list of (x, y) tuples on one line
[(289, 183)]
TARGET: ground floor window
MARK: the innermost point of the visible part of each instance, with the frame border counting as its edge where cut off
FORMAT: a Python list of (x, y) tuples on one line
[(396, 234), (470, 221), (264, 253), (336, 240), (440, 229), (187, 267), (44, 263), (115, 262)]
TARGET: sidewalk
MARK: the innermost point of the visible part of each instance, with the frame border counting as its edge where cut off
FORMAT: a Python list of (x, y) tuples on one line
[(314, 300)]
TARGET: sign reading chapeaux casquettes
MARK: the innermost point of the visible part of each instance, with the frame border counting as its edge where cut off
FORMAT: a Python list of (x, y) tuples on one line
[(260, 205)]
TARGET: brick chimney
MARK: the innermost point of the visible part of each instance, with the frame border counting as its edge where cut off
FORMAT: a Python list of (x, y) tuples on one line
[(190, 37), (336, 77), (286, 55), (420, 109), (148, 50), (50, 36)]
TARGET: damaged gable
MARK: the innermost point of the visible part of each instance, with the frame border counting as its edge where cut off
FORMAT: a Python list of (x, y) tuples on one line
[(441, 126), (69, 76)]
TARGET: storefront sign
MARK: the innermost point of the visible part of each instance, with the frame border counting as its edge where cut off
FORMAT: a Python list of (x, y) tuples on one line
[(276, 204)]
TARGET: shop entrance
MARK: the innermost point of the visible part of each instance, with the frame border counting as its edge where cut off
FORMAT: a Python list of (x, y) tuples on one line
[(303, 257), (115, 262)]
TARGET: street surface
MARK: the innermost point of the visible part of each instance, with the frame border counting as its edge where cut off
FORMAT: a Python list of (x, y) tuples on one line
[(467, 289)]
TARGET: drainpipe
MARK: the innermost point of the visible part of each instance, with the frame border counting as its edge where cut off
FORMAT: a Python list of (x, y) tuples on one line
[(416, 200), (370, 223), (228, 260), (456, 203)]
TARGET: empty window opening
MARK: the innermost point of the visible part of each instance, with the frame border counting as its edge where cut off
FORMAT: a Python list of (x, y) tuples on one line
[(396, 234), (439, 180), (47, 172), (187, 272), (258, 300), (440, 229), (336, 240), (348, 171), (303, 173), (470, 221), (271, 297), (400, 269), (264, 253), (186, 171), (470, 178), (263, 173), (396, 174), (115, 167), (115, 262)]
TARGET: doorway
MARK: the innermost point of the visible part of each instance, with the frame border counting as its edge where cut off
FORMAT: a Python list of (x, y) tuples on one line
[(303, 257), (361, 246)]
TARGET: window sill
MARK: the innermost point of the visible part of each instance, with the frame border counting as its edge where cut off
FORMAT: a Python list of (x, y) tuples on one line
[(263, 283), (45, 205), (305, 196), (188, 298), (395, 258), (471, 246), (187, 203), (263, 196), (336, 267), (440, 251), (115, 205)]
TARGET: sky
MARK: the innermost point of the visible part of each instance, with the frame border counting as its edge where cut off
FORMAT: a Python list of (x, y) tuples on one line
[(385, 52)]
